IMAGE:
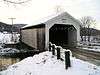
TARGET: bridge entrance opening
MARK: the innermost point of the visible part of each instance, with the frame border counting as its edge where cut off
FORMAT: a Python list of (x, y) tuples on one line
[(63, 35)]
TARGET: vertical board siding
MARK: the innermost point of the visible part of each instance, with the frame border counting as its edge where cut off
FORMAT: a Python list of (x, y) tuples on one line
[(41, 38), (29, 37)]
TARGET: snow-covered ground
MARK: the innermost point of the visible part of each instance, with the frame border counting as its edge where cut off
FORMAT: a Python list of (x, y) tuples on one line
[(92, 49), (7, 38), (89, 46), (46, 64)]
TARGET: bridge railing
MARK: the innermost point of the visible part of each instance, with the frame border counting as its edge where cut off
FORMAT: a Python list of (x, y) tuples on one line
[(62, 54)]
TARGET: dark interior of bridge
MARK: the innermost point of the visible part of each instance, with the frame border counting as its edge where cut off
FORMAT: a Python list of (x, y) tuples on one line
[(58, 34)]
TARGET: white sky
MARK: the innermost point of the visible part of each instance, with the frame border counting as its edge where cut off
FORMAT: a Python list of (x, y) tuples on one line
[(37, 9)]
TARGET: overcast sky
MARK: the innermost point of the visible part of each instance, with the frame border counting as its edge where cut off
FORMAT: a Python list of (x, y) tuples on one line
[(37, 9)]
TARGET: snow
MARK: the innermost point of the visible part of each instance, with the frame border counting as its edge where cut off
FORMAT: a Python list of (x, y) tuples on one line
[(8, 50), (47, 64), (45, 19), (7, 38), (89, 46), (93, 49)]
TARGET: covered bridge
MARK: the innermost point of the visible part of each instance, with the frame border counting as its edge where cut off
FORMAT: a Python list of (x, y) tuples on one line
[(61, 29)]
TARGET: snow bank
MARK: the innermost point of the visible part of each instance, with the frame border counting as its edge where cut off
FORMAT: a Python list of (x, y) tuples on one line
[(89, 46), (93, 49), (7, 38), (46, 64), (4, 51)]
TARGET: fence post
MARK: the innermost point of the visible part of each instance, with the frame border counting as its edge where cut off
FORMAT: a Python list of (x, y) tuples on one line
[(67, 59), (58, 52), (53, 49), (50, 46)]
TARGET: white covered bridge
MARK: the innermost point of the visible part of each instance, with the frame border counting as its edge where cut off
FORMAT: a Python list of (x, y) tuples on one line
[(61, 29)]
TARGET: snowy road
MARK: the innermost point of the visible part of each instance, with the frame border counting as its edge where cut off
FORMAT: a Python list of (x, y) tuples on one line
[(90, 56)]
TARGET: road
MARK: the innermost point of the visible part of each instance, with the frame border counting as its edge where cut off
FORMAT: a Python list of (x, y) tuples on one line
[(86, 55)]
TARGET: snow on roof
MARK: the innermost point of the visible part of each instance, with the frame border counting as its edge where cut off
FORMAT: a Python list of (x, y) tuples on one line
[(42, 20)]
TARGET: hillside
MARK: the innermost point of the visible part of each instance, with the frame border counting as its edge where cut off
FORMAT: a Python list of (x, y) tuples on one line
[(9, 28)]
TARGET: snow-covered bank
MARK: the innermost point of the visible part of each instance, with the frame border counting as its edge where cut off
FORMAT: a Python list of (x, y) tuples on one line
[(89, 46), (9, 38), (92, 49), (8, 50), (46, 64)]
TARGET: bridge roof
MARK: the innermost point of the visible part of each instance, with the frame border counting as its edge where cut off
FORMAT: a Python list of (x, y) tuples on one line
[(44, 20)]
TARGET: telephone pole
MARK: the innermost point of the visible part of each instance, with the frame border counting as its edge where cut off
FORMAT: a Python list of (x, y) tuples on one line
[(12, 19)]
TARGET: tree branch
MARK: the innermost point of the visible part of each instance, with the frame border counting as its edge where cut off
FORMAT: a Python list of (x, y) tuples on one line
[(17, 2)]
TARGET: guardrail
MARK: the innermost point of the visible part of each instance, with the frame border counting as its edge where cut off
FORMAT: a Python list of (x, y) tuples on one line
[(62, 54)]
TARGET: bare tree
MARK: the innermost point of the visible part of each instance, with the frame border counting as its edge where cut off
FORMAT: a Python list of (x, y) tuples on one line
[(86, 23)]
